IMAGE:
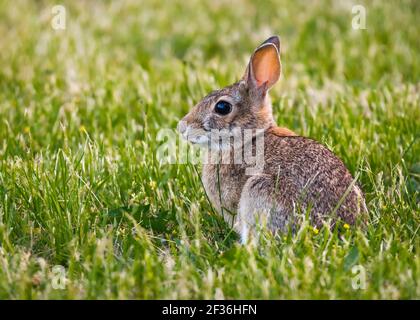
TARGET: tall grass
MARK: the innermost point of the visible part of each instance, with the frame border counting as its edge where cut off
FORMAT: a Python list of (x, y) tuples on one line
[(80, 185)]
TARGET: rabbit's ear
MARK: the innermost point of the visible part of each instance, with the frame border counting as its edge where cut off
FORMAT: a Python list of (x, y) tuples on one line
[(273, 40), (264, 68)]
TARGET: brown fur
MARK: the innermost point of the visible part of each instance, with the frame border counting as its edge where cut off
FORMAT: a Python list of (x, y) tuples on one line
[(299, 174), (281, 132)]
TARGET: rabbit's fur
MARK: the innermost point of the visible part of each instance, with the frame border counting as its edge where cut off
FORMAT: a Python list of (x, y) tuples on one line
[(298, 173)]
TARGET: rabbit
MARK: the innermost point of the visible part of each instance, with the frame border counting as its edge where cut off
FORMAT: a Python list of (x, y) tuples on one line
[(298, 174)]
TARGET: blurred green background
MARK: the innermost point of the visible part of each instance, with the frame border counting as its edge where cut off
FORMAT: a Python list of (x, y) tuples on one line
[(80, 186)]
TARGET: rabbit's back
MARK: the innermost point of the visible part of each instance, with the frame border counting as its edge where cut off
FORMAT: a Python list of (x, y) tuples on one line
[(308, 175)]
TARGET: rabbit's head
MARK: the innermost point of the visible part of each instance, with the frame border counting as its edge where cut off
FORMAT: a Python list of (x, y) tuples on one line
[(243, 105)]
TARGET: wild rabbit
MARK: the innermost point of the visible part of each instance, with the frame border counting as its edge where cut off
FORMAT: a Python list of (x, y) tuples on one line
[(298, 174)]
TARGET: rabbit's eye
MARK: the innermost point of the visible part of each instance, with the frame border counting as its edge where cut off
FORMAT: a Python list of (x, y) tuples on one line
[(223, 107)]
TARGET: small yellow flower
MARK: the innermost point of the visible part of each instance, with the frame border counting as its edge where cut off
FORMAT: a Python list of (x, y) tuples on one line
[(152, 184), (26, 129), (315, 230), (82, 128), (346, 226)]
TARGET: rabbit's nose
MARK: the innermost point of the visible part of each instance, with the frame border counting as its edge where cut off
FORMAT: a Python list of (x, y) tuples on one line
[(182, 126)]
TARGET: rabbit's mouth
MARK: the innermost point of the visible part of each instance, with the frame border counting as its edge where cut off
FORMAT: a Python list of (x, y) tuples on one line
[(214, 139), (197, 139), (195, 136)]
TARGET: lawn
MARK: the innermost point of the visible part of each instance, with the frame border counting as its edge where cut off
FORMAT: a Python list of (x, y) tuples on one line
[(88, 212)]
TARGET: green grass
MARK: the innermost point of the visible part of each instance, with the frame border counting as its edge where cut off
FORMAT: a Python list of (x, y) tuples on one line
[(80, 185)]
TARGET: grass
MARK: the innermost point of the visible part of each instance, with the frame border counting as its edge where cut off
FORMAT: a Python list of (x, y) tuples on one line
[(80, 185)]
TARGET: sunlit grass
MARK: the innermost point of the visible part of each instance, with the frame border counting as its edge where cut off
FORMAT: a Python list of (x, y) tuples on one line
[(80, 185)]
